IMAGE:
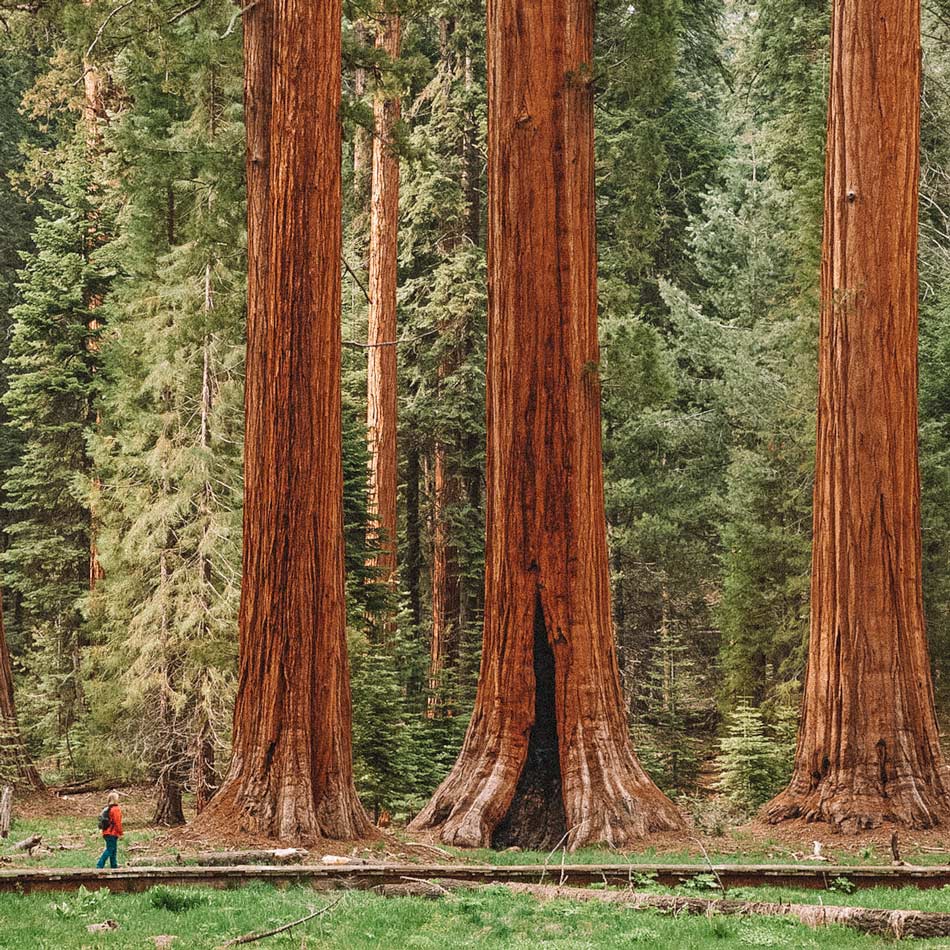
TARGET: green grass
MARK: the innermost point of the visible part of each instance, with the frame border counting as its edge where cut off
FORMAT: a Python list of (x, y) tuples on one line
[(491, 918), (81, 835), (761, 853)]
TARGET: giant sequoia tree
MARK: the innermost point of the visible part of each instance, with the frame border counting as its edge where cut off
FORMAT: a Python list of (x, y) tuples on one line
[(868, 746), (291, 770), (547, 755)]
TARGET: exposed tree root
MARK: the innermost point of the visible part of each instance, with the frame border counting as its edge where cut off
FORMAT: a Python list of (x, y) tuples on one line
[(847, 801)]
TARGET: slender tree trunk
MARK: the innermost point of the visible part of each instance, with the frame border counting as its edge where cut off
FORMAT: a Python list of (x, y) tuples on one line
[(547, 754), (291, 773), (868, 746), (94, 117), (13, 756), (169, 781), (362, 138), (447, 488), (204, 776), (382, 380), (446, 583), (413, 567)]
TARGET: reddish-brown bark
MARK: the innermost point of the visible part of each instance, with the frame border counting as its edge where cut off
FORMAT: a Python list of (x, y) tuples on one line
[(446, 580), (446, 478), (382, 383), (94, 117), (13, 755), (291, 768), (362, 139), (547, 754), (868, 748)]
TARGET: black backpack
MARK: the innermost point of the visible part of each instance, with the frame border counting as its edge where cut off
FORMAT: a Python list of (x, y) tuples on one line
[(104, 818)]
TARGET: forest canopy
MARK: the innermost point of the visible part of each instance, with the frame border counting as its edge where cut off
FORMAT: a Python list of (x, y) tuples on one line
[(137, 242)]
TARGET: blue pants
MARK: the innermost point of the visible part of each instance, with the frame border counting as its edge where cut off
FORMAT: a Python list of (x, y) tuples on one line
[(109, 853)]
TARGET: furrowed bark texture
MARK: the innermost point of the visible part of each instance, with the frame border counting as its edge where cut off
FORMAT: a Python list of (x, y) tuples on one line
[(362, 139), (382, 385), (446, 477), (868, 746), (547, 754), (291, 768), (13, 757)]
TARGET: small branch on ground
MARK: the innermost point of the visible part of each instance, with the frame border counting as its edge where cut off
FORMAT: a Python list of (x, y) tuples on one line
[(252, 937)]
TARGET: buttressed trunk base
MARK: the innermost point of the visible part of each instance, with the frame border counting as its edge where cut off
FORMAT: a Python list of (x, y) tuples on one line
[(291, 773), (547, 756)]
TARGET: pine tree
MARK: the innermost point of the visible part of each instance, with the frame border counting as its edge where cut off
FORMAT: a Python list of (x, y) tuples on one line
[(168, 448), (51, 390)]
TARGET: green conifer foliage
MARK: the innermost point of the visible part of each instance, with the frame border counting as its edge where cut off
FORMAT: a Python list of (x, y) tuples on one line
[(50, 367), (754, 761), (168, 450)]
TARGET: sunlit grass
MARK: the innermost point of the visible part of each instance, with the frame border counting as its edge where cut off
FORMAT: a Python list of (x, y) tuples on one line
[(487, 917)]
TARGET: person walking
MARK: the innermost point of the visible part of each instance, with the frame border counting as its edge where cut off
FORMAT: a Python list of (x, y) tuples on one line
[(111, 824)]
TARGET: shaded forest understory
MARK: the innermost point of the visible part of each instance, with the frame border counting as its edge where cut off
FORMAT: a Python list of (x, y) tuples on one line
[(164, 418)]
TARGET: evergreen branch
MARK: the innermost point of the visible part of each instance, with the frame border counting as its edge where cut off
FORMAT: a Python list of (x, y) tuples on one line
[(103, 25)]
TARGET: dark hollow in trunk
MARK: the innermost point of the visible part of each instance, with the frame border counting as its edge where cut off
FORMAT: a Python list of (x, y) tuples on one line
[(535, 818)]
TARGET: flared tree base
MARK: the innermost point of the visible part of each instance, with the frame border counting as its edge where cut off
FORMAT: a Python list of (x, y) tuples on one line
[(588, 790), (850, 802), (291, 815)]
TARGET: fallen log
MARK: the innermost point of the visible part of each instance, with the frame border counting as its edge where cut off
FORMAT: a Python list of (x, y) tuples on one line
[(235, 858), (91, 785), (278, 856), (28, 844), (868, 920), (6, 810)]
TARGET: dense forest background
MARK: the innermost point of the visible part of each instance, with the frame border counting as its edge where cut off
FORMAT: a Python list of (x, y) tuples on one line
[(122, 304)]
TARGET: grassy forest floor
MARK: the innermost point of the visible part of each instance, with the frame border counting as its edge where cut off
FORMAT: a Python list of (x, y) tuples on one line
[(483, 917)]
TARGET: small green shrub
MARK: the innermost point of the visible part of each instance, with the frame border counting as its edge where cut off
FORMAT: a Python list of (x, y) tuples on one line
[(754, 760), (177, 900)]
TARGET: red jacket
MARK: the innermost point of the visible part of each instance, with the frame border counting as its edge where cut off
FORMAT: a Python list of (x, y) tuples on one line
[(115, 822)]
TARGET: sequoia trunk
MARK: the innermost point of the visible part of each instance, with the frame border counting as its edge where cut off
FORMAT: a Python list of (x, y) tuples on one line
[(381, 375), (291, 771), (547, 755), (13, 757), (868, 748)]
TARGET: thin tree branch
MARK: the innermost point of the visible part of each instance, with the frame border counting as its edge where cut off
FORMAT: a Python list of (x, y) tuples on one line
[(237, 16), (103, 25), (185, 12), (359, 284), (253, 937)]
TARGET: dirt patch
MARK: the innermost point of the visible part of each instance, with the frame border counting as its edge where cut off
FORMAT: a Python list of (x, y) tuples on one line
[(762, 842)]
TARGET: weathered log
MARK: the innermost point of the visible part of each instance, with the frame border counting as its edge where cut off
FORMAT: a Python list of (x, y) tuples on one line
[(868, 920), (28, 844), (6, 810), (222, 858), (90, 785)]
